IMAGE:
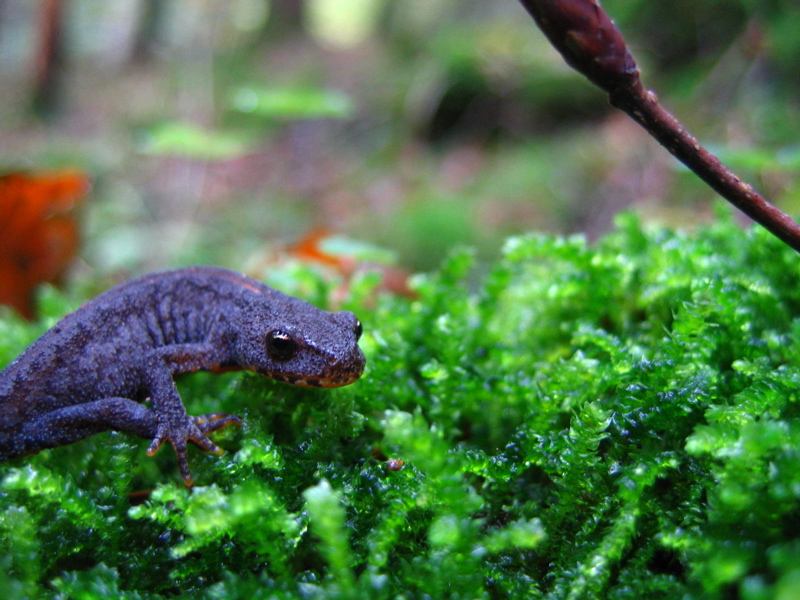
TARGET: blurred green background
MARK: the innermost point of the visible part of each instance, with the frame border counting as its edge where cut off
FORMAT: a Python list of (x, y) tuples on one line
[(217, 130)]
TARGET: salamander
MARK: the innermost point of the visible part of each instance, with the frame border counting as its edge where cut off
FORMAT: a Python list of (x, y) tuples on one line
[(110, 364)]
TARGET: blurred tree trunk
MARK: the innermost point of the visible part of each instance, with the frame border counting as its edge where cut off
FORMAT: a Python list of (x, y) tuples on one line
[(49, 66), (3, 8), (152, 18), (285, 19)]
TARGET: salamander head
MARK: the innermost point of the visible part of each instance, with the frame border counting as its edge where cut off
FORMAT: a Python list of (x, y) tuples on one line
[(303, 346)]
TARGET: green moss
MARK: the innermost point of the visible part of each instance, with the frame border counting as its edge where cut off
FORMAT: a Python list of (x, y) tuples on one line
[(618, 420)]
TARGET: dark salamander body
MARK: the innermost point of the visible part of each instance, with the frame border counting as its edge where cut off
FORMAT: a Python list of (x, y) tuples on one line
[(94, 368)]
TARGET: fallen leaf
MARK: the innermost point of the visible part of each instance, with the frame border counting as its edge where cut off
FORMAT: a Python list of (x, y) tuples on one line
[(39, 233)]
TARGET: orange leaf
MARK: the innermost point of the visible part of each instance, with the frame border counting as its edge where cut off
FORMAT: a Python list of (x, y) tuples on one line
[(39, 233), (309, 249)]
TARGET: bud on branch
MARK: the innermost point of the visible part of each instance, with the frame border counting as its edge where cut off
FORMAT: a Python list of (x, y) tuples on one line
[(587, 39)]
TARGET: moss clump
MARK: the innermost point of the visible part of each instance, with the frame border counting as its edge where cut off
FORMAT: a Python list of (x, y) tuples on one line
[(613, 421)]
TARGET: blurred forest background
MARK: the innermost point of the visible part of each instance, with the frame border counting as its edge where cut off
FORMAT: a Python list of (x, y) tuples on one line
[(215, 131)]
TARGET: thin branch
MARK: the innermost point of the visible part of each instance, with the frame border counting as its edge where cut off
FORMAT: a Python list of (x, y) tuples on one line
[(590, 43)]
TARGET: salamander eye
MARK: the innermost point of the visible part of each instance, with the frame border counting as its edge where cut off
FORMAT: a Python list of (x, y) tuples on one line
[(359, 329), (280, 345)]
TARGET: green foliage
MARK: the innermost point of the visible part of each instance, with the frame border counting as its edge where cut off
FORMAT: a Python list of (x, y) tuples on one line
[(190, 141), (618, 420), (273, 103), (185, 140)]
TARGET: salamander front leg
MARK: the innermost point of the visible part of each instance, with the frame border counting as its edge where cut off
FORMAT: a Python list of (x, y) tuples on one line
[(174, 425)]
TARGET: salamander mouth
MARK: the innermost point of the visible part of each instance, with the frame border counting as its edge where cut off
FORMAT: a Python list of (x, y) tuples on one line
[(318, 382), (337, 375)]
